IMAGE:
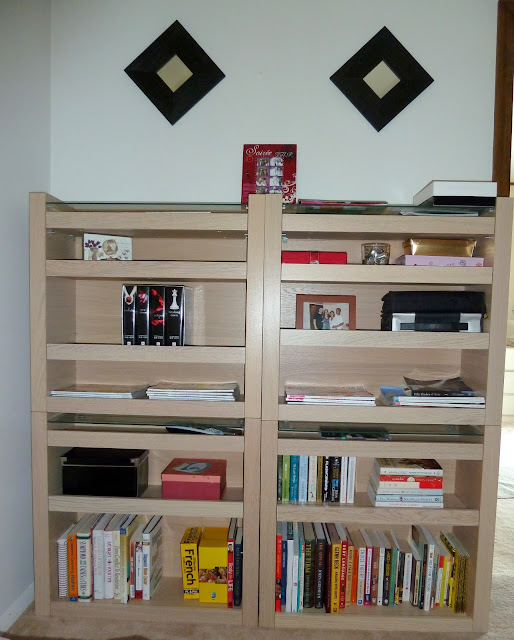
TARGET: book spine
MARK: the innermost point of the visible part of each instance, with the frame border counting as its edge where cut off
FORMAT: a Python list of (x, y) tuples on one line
[(176, 319), (349, 577), (283, 573), (116, 545), (98, 564), (312, 479), (335, 479), (361, 575), (343, 573), (369, 571), (343, 492), (128, 313), (423, 576), (72, 568), (355, 573), (398, 594), (415, 580), (290, 556), (157, 313), (319, 482), (278, 572), (387, 576), (393, 576), (309, 574), (143, 315), (230, 572), (295, 573), (327, 586), (238, 574), (350, 494), (429, 577), (335, 578), (62, 567), (146, 570), (407, 577), (301, 575), (293, 482), (325, 494), (303, 472), (286, 463), (280, 467), (380, 586), (138, 553), (132, 570), (374, 576), (84, 569), (408, 482), (402, 471), (405, 498), (319, 585), (108, 566)]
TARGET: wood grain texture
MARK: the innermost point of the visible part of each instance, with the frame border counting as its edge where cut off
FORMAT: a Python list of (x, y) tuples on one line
[(137, 353)]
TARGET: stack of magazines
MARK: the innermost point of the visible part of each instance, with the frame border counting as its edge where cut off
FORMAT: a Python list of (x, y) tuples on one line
[(445, 392), (99, 391), (347, 395), (209, 391)]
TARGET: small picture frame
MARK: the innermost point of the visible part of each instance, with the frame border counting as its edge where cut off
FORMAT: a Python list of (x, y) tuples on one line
[(320, 312)]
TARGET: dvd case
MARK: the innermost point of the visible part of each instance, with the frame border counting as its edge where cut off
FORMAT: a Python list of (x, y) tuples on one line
[(157, 330), (142, 315)]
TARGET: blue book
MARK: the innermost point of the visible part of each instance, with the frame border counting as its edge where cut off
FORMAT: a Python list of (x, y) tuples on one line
[(293, 481), (303, 478)]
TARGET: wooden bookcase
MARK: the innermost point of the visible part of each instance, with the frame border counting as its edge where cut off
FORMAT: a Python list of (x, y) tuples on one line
[(374, 357), (75, 338)]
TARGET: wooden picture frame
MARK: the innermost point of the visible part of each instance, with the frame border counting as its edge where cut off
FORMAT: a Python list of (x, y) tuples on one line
[(307, 306)]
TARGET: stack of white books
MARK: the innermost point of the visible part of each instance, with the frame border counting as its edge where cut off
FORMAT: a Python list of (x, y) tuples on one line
[(345, 395), (99, 391), (208, 391)]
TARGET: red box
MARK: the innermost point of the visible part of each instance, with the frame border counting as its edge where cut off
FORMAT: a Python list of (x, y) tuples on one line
[(190, 479), (315, 257)]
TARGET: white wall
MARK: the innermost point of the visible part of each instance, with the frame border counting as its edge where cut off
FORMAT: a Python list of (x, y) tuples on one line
[(25, 166), (110, 142)]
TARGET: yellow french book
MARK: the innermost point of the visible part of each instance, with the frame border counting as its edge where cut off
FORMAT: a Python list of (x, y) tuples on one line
[(189, 558), (335, 570), (452, 598), (213, 561)]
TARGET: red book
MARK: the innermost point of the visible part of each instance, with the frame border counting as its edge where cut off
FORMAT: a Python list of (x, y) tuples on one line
[(414, 482), (314, 257), (278, 568), (230, 562), (355, 573)]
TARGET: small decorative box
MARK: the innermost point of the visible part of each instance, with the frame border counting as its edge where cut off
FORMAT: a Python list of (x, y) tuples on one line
[(315, 257), (190, 479), (439, 261)]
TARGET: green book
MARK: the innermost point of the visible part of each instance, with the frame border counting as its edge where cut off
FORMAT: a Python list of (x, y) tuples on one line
[(279, 478), (286, 464)]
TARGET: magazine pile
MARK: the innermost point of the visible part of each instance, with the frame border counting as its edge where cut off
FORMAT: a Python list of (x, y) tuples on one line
[(445, 392), (344, 395), (209, 391), (99, 391)]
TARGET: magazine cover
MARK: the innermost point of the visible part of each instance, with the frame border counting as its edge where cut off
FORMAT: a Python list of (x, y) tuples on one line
[(269, 168)]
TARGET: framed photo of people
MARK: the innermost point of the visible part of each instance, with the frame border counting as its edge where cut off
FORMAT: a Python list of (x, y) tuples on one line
[(325, 313)]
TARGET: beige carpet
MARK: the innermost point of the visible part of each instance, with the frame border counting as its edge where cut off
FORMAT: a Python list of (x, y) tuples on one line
[(501, 624)]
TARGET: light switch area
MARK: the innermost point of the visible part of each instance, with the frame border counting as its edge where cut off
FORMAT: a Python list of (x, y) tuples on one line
[(174, 73)]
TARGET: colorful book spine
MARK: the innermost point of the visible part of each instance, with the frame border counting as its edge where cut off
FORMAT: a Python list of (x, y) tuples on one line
[(293, 482), (319, 566), (280, 469), (286, 463), (335, 569), (325, 492), (230, 560), (319, 482), (343, 493), (189, 560), (72, 566), (238, 564), (62, 563), (283, 573), (335, 479), (350, 492), (303, 481), (312, 479), (278, 568)]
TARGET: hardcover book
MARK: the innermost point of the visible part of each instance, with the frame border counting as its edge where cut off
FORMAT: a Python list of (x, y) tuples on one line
[(153, 556), (178, 318), (407, 466), (128, 314), (269, 168), (157, 313), (143, 315)]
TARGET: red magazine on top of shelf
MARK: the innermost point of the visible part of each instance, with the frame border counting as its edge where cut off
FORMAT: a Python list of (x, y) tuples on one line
[(269, 168)]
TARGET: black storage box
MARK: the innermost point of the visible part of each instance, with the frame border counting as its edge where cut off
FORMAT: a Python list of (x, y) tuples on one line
[(104, 472), (436, 310)]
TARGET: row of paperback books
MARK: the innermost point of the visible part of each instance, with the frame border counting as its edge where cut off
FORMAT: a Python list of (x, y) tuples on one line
[(327, 566), (110, 556), (212, 563), (156, 314), (406, 482), (318, 479)]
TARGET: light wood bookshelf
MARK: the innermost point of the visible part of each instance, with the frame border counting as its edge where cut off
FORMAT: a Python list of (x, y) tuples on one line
[(217, 250), (373, 357)]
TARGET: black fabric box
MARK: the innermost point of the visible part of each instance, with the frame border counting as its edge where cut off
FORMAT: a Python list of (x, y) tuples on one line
[(104, 472), (432, 305)]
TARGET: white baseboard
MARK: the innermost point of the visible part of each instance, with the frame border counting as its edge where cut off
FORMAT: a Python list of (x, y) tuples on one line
[(9, 617)]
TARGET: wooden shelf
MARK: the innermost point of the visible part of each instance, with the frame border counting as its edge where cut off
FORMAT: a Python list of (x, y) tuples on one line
[(388, 225), (151, 503), (140, 407), (137, 353), (382, 415), (389, 274), (383, 339), (167, 604), (362, 513), (127, 221), (436, 450), (162, 442), (146, 269), (403, 617)]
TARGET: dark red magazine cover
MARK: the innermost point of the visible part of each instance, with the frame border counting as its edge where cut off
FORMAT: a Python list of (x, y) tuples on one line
[(269, 168)]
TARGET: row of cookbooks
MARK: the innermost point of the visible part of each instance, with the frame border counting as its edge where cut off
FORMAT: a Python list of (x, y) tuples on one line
[(320, 479), (179, 391), (110, 556), (329, 566), (212, 564)]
